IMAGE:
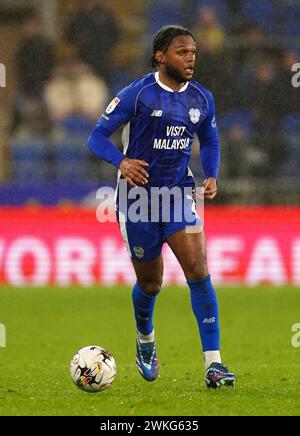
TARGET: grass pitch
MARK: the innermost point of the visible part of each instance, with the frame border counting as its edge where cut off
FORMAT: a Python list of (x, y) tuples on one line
[(46, 326)]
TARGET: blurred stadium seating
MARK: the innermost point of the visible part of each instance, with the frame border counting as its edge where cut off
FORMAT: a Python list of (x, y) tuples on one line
[(254, 30), (241, 117), (261, 12), (29, 161)]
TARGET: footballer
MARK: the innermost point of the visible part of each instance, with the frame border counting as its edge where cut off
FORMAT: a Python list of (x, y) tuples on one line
[(162, 111)]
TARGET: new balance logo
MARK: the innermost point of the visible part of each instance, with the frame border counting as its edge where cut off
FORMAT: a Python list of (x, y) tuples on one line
[(209, 320), (156, 113)]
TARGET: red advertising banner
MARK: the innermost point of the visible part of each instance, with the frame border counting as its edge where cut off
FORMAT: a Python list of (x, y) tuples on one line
[(69, 246)]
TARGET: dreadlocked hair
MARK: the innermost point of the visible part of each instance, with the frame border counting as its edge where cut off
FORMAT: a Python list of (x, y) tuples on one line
[(163, 39)]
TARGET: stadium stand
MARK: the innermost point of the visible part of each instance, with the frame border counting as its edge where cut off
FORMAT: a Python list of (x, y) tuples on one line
[(259, 37)]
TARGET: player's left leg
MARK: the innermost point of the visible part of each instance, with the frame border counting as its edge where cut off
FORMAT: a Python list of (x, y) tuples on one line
[(190, 250)]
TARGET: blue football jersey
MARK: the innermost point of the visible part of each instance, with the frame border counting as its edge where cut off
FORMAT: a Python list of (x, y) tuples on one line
[(160, 125)]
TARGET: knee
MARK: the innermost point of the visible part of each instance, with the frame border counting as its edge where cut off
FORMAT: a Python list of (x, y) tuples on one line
[(151, 287), (196, 271)]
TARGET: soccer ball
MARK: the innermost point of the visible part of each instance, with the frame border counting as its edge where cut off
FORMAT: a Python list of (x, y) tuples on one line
[(93, 369)]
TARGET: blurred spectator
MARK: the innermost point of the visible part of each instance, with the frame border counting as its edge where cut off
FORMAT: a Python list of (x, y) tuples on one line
[(210, 65), (34, 63), (209, 34), (244, 157), (34, 121), (263, 98), (75, 97), (235, 144), (75, 90), (236, 19), (94, 31), (30, 144), (34, 58), (264, 102), (250, 50)]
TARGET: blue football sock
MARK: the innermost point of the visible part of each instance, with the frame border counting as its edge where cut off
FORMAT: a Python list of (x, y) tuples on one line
[(143, 310), (205, 307)]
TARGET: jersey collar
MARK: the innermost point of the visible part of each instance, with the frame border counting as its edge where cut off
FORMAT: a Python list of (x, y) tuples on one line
[(165, 87)]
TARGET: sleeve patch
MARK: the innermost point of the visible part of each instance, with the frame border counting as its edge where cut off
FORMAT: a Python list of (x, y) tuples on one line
[(112, 105)]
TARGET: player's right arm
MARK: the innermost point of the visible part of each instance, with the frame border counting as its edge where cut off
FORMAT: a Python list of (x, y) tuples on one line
[(119, 112)]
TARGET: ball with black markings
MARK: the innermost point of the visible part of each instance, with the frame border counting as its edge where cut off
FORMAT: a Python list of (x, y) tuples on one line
[(93, 369)]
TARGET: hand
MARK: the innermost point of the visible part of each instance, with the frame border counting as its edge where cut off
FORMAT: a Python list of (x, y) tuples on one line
[(210, 188), (133, 171)]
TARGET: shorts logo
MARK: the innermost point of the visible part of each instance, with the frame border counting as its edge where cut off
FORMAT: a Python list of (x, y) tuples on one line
[(194, 115), (214, 122), (112, 105), (139, 252)]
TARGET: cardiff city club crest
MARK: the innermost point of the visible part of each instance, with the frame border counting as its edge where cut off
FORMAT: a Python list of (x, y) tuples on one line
[(194, 115), (139, 252)]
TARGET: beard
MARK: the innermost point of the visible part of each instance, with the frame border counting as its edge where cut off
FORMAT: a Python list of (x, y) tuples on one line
[(175, 74)]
